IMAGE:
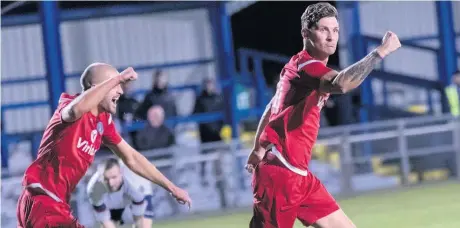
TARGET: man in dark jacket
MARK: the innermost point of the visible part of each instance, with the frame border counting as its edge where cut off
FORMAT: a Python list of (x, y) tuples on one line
[(209, 101), (127, 105), (159, 95), (155, 135)]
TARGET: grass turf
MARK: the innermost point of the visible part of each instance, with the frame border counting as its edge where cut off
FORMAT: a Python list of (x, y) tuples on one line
[(431, 206)]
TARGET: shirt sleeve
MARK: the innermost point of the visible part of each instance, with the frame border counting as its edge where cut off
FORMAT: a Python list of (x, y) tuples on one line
[(310, 72), (135, 195), (301, 73), (111, 135), (96, 191), (137, 198), (60, 107)]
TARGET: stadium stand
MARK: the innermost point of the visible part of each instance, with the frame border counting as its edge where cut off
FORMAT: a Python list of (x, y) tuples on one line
[(400, 127)]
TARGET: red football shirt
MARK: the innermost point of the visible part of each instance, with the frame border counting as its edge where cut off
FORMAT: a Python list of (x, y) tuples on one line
[(67, 150), (294, 128)]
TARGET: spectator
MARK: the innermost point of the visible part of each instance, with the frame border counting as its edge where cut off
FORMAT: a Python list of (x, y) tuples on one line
[(155, 135), (127, 105), (209, 101), (126, 108), (159, 95), (452, 94)]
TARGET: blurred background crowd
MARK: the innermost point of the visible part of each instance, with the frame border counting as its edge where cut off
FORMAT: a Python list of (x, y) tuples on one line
[(206, 72)]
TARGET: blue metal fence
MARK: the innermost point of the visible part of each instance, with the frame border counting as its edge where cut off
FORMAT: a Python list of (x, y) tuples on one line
[(447, 56), (50, 17), (107, 11), (49, 12), (224, 56)]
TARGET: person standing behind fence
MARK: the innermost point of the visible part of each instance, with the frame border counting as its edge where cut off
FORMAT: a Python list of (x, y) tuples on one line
[(127, 105), (126, 108), (159, 95), (155, 134), (452, 92), (209, 101)]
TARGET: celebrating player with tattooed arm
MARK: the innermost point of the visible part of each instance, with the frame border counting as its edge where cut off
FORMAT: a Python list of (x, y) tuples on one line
[(283, 187)]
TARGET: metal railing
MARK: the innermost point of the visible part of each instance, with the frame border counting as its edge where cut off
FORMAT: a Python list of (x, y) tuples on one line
[(228, 184)]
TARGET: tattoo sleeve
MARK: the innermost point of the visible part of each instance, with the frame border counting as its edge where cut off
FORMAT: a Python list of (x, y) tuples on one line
[(72, 114), (354, 75), (68, 113)]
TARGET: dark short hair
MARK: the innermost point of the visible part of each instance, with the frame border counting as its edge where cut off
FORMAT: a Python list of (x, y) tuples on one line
[(315, 12), (158, 73), (111, 162)]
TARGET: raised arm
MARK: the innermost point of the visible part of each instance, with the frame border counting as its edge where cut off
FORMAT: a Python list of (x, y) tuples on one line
[(354, 75), (89, 99)]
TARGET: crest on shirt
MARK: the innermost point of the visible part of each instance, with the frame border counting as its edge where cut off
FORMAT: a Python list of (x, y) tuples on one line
[(93, 135), (100, 128)]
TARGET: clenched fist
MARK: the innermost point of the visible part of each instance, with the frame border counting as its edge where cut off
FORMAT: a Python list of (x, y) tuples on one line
[(390, 43), (254, 159), (128, 75)]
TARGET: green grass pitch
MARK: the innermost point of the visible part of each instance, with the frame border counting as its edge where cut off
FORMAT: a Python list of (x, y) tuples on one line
[(431, 206)]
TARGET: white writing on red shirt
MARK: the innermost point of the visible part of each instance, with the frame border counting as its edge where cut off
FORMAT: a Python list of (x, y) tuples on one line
[(86, 147)]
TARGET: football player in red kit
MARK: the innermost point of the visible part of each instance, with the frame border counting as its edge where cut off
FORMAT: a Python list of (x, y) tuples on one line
[(283, 187), (78, 127)]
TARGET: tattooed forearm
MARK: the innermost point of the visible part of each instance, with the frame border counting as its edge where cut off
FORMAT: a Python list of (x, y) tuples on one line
[(354, 75), (358, 71)]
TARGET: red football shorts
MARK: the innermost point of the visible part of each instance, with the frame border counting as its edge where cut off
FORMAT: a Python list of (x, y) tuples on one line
[(281, 196), (38, 210)]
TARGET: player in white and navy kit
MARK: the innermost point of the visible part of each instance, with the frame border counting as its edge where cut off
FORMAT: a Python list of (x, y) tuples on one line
[(145, 187), (115, 200)]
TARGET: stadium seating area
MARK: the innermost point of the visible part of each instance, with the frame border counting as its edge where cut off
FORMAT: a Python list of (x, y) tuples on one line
[(398, 133)]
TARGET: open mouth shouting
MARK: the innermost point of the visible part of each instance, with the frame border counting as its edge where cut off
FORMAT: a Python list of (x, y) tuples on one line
[(115, 100)]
